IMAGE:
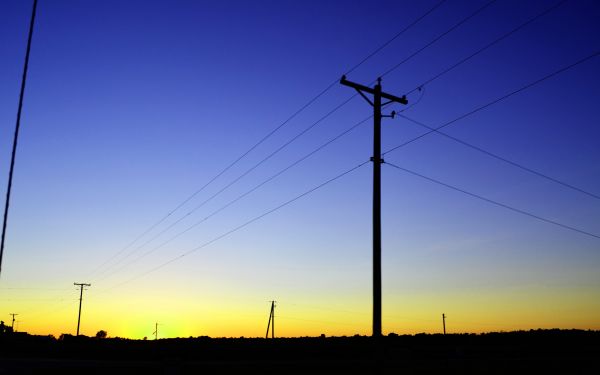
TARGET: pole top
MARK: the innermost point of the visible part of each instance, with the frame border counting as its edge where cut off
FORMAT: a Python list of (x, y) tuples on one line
[(379, 80)]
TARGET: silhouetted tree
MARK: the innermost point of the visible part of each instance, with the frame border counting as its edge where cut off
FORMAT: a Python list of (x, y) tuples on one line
[(101, 334)]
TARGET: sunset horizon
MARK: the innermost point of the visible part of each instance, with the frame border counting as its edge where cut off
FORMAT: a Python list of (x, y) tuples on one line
[(182, 164)]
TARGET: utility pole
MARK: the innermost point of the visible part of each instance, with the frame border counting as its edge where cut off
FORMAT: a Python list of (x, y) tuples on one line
[(80, 285), (12, 326), (155, 333), (16, 135), (377, 161), (271, 323), (444, 322)]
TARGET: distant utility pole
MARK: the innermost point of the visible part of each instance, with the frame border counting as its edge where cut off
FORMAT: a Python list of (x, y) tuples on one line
[(444, 322), (377, 161), (80, 285), (12, 326), (155, 333), (16, 135), (271, 323)]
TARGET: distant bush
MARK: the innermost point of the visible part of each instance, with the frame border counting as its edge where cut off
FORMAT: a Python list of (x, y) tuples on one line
[(102, 334)]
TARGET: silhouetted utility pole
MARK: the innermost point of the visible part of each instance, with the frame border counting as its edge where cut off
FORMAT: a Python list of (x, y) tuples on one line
[(155, 333), (81, 285), (444, 322), (12, 326), (16, 136), (271, 323), (377, 161)]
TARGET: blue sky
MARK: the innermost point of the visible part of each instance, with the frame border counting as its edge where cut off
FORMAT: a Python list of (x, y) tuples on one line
[(132, 106)]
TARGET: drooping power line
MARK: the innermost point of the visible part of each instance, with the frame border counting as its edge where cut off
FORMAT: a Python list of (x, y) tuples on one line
[(489, 45), (268, 135), (230, 232), (448, 31), (241, 196), (454, 27), (497, 100), (503, 159), (511, 208)]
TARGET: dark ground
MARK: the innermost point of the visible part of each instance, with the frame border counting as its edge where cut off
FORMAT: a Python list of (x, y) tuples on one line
[(532, 352)]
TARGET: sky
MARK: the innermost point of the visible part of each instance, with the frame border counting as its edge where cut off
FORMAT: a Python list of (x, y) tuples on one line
[(132, 107)]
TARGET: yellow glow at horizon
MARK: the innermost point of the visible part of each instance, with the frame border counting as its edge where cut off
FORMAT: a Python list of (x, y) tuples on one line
[(180, 314)]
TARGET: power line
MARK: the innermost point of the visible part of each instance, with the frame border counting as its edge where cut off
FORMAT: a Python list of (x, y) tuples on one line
[(421, 87), (517, 210), (50, 308), (314, 124), (268, 135), (496, 156), (412, 103), (323, 322), (492, 43), (262, 161), (361, 313), (228, 233), (457, 25), (31, 288), (16, 135), (304, 131), (395, 37), (29, 299), (256, 187), (308, 128), (231, 183), (482, 107), (497, 40)]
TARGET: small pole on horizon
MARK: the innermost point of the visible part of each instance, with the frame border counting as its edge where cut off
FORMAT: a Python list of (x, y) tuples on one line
[(444, 322), (80, 285), (155, 333), (271, 323), (12, 326)]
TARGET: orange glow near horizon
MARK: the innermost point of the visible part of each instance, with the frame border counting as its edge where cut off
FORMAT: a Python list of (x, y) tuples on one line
[(194, 161), (473, 312)]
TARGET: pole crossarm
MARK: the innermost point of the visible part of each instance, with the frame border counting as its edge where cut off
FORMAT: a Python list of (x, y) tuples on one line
[(361, 89)]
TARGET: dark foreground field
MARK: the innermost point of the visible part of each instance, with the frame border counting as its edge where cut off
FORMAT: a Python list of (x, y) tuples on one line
[(532, 352)]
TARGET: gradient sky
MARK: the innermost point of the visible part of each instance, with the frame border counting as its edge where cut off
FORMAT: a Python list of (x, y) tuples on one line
[(131, 106)]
